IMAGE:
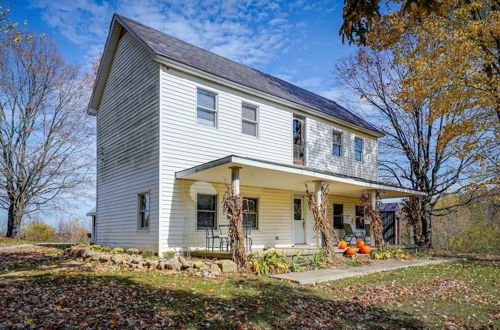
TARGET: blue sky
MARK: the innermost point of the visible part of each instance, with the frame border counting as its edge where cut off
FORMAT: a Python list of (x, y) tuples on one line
[(297, 41)]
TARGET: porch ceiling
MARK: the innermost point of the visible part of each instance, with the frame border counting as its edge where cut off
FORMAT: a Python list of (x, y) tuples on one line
[(257, 173)]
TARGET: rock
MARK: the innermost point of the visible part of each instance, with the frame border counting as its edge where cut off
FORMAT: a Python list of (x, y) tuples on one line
[(227, 266), (214, 269), (182, 260), (160, 265), (172, 264), (88, 254), (147, 263), (136, 260), (105, 257), (154, 264), (116, 259), (96, 256), (200, 265)]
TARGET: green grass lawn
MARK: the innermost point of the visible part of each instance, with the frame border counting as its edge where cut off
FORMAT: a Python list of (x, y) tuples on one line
[(13, 241), (51, 293)]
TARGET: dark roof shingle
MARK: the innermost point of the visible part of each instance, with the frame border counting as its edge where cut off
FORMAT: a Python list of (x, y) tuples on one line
[(183, 52)]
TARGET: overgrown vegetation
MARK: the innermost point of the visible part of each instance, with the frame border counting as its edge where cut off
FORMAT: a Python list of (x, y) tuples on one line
[(472, 228), (269, 262)]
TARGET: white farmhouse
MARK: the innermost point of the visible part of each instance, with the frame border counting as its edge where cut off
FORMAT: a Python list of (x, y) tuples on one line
[(175, 121)]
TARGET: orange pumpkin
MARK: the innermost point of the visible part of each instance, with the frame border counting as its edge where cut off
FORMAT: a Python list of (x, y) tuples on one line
[(360, 244), (350, 251), (364, 250), (342, 245)]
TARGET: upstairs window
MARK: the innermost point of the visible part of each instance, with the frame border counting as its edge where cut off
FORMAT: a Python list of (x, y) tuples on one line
[(249, 120), (250, 212), (206, 111), (144, 210), (337, 143), (206, 211), (338, 212), (358, 149)]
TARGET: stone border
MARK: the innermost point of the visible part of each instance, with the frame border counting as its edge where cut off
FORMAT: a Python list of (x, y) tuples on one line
[(137, 262)]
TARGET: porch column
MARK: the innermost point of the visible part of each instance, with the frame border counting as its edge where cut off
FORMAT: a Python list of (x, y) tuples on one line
[(235, 179), (373, 197), (318, 186)]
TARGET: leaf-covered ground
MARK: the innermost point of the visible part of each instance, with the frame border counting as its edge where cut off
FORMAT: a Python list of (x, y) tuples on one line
[(40, 288)]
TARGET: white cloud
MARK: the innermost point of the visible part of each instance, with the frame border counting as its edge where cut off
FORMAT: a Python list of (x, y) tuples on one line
[(250, 32)]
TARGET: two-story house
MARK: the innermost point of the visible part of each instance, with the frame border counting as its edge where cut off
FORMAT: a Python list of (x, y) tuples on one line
[(175, 122)]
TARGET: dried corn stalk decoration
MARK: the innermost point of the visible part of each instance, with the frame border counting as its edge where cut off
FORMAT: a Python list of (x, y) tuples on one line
[(321, 223), (233, 208), (376, 225)]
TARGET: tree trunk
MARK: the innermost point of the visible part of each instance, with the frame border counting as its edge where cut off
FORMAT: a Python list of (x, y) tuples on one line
[(14, 218)]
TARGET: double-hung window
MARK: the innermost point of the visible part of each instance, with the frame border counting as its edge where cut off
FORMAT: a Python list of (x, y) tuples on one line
[(144, 210), (250, 212), (358, 149), (338, 211), (337, 144), (206, 211), (206, 111), (249, 120)]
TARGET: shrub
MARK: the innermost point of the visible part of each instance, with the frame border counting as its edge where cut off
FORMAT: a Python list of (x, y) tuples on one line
[(105, 249), (40, 231), (318, 260), (132, 251), (388, 252), (95, 247), (148, 253), (269, 262), (118, 250), (72, 230)]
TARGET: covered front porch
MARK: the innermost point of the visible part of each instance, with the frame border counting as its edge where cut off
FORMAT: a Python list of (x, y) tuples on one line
[(281, 217)]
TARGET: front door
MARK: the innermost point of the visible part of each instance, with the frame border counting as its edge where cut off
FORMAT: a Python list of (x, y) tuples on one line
[(298, 221)]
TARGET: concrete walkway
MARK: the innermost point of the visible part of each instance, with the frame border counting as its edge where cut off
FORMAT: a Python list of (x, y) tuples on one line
[(333, 274)]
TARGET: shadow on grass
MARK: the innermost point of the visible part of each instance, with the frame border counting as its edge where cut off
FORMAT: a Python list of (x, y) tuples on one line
[(119, 301)]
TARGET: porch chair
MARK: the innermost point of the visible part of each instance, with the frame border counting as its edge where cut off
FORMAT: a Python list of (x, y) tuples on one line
[(210, 235), (224, 237), (350, 233), (247, 226)]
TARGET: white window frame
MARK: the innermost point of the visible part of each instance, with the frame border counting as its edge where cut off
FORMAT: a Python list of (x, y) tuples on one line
[(215, 111), (360, 151), (141, 211), (257, 208), (336, 144), (256, 122), (216, 211)]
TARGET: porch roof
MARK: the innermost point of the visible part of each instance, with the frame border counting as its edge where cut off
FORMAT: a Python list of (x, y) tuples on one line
[(265, 174)]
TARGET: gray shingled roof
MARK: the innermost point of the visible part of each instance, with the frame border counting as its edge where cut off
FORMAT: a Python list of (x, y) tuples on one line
[(183, 52)]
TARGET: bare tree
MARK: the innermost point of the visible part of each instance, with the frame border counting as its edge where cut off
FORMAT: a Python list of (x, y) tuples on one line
[(45, 135), (421, 149)]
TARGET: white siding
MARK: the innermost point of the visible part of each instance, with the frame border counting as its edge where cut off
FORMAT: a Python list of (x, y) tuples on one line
[(127, 147), (274, 213), (319, 139), (184, 143)]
